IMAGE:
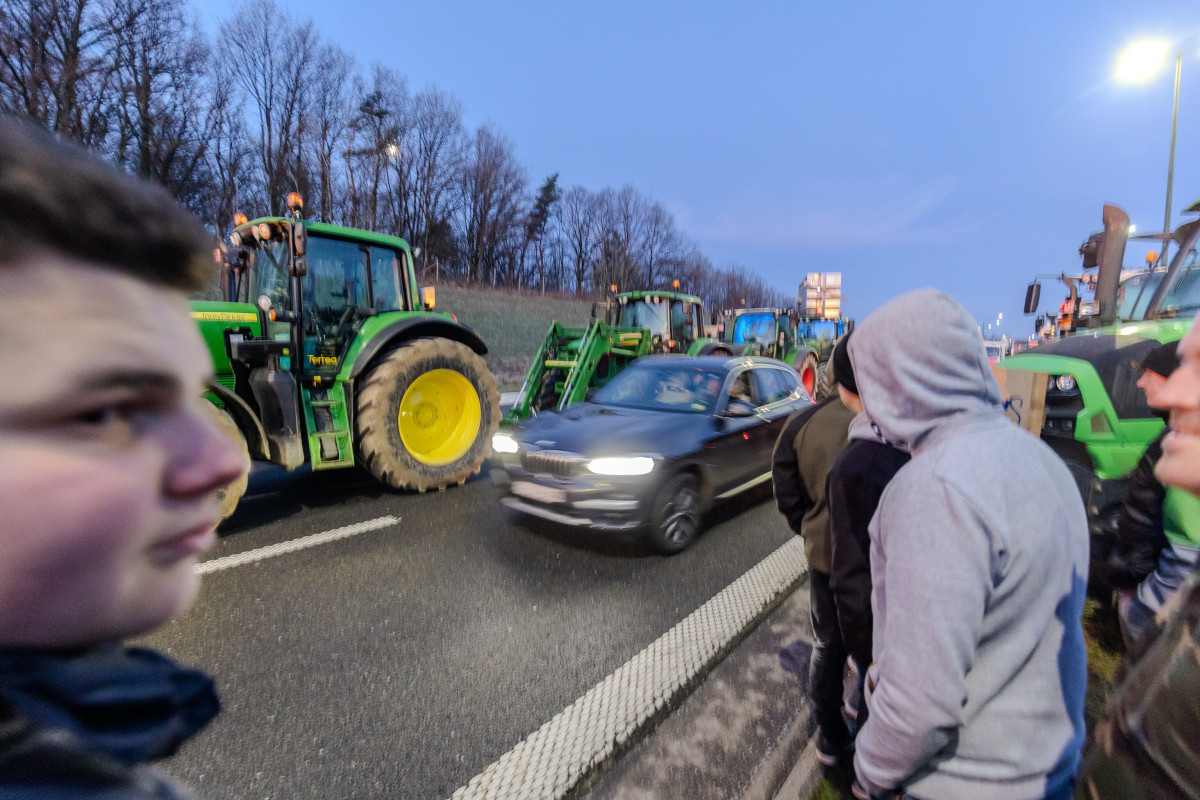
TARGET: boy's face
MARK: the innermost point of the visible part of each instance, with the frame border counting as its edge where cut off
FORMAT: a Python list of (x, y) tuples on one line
[(1180, 461), (108, 464)]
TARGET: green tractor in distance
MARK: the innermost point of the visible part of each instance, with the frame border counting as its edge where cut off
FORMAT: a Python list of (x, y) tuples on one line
[(769, 332), (326, 353), (571, 361), (818, 335)]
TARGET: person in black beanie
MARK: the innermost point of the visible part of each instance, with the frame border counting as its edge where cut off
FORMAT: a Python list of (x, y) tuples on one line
[(856, 482), (805, 451)]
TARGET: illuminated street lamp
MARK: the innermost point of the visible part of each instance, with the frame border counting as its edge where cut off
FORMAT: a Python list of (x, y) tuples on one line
[(1140, 63)]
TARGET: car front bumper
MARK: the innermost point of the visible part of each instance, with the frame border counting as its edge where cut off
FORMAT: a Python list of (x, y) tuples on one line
[(600, 502)]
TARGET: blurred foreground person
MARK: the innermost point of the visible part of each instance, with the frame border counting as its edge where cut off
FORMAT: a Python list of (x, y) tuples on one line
[(807, 446), (109, 468), (1158, 527), (1146, 746), (979, 554)]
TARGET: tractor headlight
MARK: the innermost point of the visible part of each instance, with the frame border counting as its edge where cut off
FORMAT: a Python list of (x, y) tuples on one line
[(503, 443), (621, 465), (1065, 383)]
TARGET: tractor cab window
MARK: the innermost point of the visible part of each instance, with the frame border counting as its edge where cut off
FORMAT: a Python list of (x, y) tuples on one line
[(679, 323), (758, 328), (336, 299), (385, 279), (1183, 298), (269, 275), (1134, 293), (644, 314)]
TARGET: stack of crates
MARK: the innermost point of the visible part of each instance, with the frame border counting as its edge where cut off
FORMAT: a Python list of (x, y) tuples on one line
[(821, 295)]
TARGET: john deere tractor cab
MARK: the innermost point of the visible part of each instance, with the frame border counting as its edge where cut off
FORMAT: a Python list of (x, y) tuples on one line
[(326, 353), (572, 361), (1096, 418)]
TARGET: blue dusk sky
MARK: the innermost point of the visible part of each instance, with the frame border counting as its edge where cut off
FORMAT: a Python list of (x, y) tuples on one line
[(966, 146)]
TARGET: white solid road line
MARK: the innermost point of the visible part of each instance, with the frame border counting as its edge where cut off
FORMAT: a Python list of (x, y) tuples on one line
[(553, 760), (250, 556)]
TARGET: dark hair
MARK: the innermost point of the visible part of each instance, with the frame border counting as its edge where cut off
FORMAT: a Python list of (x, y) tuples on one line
[(56, 198)]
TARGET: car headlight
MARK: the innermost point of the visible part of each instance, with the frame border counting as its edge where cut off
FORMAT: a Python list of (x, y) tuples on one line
[(503, 443), (1065, 383), (621, 465)]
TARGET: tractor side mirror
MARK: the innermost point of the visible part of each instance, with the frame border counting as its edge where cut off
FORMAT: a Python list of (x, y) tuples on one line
[(1033, 294), (428, 298), (595, 309)]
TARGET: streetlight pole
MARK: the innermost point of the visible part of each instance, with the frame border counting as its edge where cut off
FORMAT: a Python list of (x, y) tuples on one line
[(1162, 259)]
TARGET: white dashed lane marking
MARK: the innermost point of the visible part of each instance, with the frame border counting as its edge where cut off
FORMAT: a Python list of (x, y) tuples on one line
[(250, 556)]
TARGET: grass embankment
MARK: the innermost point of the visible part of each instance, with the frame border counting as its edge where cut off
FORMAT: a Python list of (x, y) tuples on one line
[(1104, 650), (512, 324)]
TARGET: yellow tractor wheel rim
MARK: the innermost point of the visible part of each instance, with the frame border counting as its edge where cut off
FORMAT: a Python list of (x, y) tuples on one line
[(439, 417)]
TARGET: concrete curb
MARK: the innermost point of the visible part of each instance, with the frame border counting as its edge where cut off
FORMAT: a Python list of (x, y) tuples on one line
[(805, 775)]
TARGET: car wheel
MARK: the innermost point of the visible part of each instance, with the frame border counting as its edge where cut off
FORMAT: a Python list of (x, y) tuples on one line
[(675, 523)]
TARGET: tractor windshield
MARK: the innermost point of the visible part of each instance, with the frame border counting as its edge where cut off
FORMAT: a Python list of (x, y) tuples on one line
[(1134, 293), (645, 314), (1183, 297), (755, 328), (821, 329), (269, 274)]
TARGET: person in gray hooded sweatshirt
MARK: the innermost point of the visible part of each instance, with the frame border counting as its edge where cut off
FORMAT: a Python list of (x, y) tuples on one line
[(979, 554)]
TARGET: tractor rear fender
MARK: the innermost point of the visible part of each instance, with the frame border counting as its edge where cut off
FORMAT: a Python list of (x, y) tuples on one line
[(247, 421), (369, 345)]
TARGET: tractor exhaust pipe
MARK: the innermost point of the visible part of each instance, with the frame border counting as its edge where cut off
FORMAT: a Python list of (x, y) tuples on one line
[(1111, 256)]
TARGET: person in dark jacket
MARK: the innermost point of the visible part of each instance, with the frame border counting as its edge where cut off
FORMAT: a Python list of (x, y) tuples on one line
[(856, 483), (1140, 534), (810, 441), (110, 464), (1145, 745)]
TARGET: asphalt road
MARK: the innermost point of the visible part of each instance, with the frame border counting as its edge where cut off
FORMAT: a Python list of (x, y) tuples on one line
[(400, 662)]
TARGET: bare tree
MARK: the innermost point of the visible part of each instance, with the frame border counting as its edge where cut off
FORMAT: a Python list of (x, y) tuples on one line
[(577, 226), (493, 189), (436, 148), (162, 124), (272, 60), (55, 67), (332, 109)]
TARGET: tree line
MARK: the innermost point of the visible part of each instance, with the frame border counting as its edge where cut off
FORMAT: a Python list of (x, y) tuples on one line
[(271, 107)]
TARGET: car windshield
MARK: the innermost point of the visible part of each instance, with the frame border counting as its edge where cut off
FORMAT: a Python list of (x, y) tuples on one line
[(683, 388)]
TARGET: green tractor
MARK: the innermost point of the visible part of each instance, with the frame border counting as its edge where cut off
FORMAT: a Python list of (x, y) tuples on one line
[(572, 361), (326, 353), (819, 335), (1095, 416), (770, 332)]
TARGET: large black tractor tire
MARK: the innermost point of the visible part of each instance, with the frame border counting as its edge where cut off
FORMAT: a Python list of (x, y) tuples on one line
[(676, 517), (825, 384), (426, 413), (547, 398), (231, 494), (807, 370)]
